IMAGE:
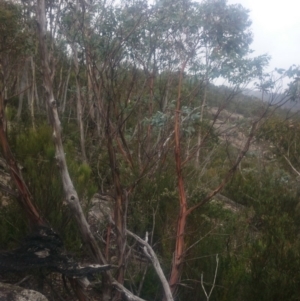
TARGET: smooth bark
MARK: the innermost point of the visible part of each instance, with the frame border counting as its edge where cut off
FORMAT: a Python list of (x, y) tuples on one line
[(181, 224), (79, 105), (148, 251)]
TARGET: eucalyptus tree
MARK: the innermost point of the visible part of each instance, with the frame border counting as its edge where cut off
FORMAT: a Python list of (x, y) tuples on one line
[(211, 39), (225, 50), (172, 38), (100, 33), (71, 26)]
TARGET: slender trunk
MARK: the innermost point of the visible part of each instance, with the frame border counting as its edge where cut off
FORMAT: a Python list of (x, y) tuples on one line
[(33, 66), (166, 96), (70, 192), (98, 107), (139, 131), (79, 106), (94, 82), (206, 80), (181, 223), (201, 120), (28, 92), (65, 91), (31, 100), (149, 131), (37, 99), (120, 205), (92, 109), (22, 85), (188, 143), (59, 84)]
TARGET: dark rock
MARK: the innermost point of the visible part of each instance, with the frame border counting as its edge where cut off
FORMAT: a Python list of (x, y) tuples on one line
[(10, 292)]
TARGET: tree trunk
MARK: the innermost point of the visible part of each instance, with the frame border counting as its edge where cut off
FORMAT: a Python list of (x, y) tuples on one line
[(65, 90), (79, 105), (201, 120), (31, 100), (22, 78), (120, 205), (70, 192), (150, 112), (181, 223)]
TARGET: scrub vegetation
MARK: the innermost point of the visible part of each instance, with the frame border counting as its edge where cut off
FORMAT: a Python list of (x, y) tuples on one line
[(121, 104)]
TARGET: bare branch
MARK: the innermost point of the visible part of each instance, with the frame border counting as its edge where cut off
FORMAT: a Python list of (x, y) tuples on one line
[(128, 294), (231, 171), (152, 256), (214, 282), (291, 165)]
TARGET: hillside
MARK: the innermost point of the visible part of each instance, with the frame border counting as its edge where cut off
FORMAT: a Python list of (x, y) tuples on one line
[(291, 105), (125, 174)]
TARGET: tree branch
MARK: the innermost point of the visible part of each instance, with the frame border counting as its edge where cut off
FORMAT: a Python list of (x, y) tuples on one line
[(150, 254), (291, 165), (214, 282)]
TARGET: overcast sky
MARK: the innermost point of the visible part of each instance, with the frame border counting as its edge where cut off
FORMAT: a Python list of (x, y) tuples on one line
[(276, 29)]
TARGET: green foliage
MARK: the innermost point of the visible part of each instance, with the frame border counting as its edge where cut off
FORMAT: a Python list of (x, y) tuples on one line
[(15, 37), (283, 138), (265, 265), (150, 286), (13, 226), (35, 151)]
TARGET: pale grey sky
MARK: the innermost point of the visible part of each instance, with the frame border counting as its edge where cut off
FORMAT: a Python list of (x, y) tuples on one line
[(276, 29)]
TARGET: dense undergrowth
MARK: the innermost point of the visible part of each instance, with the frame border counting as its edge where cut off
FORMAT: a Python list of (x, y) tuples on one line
[(259, 242)]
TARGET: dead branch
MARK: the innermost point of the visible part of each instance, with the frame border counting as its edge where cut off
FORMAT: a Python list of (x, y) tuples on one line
[(291, 165), (214, 282), (150, 254)]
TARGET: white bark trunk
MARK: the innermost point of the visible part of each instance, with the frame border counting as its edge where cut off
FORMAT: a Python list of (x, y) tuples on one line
[(31, 100), (79, 106), (70, 192)]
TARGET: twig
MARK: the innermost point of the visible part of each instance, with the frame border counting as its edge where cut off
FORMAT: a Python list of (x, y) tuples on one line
[(293, 168), (214, 282)]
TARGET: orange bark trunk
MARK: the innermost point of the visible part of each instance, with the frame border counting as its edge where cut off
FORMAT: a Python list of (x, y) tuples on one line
[(181, 223)]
